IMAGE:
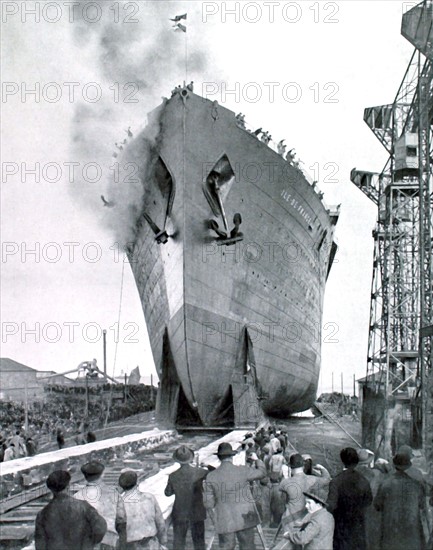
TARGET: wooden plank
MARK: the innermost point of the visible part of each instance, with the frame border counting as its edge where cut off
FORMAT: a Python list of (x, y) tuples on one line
[(27, 463)]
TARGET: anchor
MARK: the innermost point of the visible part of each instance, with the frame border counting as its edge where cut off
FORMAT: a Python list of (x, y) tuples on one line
[(235, 234)]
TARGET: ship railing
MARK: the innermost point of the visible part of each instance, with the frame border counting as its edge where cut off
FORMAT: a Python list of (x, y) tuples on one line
[(272, 144)]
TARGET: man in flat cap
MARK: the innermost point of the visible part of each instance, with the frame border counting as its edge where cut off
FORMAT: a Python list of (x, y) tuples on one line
[(66, 523), (349, 496), (401, 499), (145, 524), (106, 500), (186, 484), (227, 490)]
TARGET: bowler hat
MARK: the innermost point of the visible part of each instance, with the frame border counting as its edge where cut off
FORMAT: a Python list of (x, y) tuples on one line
[(296, 461), (405, 450), (402, 461), (183, 455), (58, 480), (127, 479), (349, 457), (92, 469), (225, 450), (365, 456), (318, 492)]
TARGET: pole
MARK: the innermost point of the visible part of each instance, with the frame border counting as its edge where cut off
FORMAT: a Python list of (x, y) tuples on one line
[(186, 58), (87, 397), (151, 388), (125, 387), (354, 389), (104, 340), (26, 411)]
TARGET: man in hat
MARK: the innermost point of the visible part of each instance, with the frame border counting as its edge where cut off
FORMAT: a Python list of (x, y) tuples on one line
[(228, 491), (349, 496), (259, 488), (293, 489), (145, 524), (276, 501), (412, 471), (66, 523), (401, 499), (186, 484), (316, 531), (106, 500), (373, 517)]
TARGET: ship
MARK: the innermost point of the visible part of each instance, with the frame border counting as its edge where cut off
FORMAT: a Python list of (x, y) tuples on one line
[(231, 251)]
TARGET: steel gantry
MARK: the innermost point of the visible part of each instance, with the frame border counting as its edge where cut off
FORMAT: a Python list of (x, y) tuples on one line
[(398, 398)]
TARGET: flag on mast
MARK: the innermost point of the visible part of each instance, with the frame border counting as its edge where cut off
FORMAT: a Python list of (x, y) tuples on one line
[(178, 18), (178, 25)]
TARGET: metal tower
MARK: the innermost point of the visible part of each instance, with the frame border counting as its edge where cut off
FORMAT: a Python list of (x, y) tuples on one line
[(398, 394)]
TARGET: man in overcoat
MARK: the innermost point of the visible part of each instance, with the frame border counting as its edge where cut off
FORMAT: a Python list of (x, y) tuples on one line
[(293, 489), (228, 491), (349, 496), (66, 523), (107, 502), (317, 528), (401, 499), (373, 517), (188, 509)]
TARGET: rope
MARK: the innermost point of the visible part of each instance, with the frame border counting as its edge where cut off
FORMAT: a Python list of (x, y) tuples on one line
[(117, 344)]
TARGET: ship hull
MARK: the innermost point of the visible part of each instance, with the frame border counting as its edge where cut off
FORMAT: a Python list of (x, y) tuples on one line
[(224, 314)]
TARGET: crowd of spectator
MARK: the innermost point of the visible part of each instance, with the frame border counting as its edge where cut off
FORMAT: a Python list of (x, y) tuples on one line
[(368, 505), (66, 416)]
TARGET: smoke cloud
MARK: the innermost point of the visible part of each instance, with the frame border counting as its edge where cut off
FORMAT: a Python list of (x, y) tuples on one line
[(135, 64)]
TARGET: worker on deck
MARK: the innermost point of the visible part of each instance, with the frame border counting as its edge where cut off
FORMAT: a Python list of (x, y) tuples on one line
[(106, 500), (66, 523), (186, 484), (228, 491)]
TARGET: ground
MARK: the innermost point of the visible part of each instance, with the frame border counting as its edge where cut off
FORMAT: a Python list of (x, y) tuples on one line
[(320, 438)]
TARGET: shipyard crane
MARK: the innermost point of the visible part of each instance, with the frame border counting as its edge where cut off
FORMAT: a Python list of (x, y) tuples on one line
[(398, 389)]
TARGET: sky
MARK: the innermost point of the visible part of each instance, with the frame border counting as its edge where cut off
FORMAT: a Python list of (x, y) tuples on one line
[(302, 70)]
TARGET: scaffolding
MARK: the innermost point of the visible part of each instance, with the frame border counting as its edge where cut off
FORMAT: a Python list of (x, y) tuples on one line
[(399, 364)]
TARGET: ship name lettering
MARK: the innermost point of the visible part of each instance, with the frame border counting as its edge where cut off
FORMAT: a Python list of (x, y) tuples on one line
[(286, 196)]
